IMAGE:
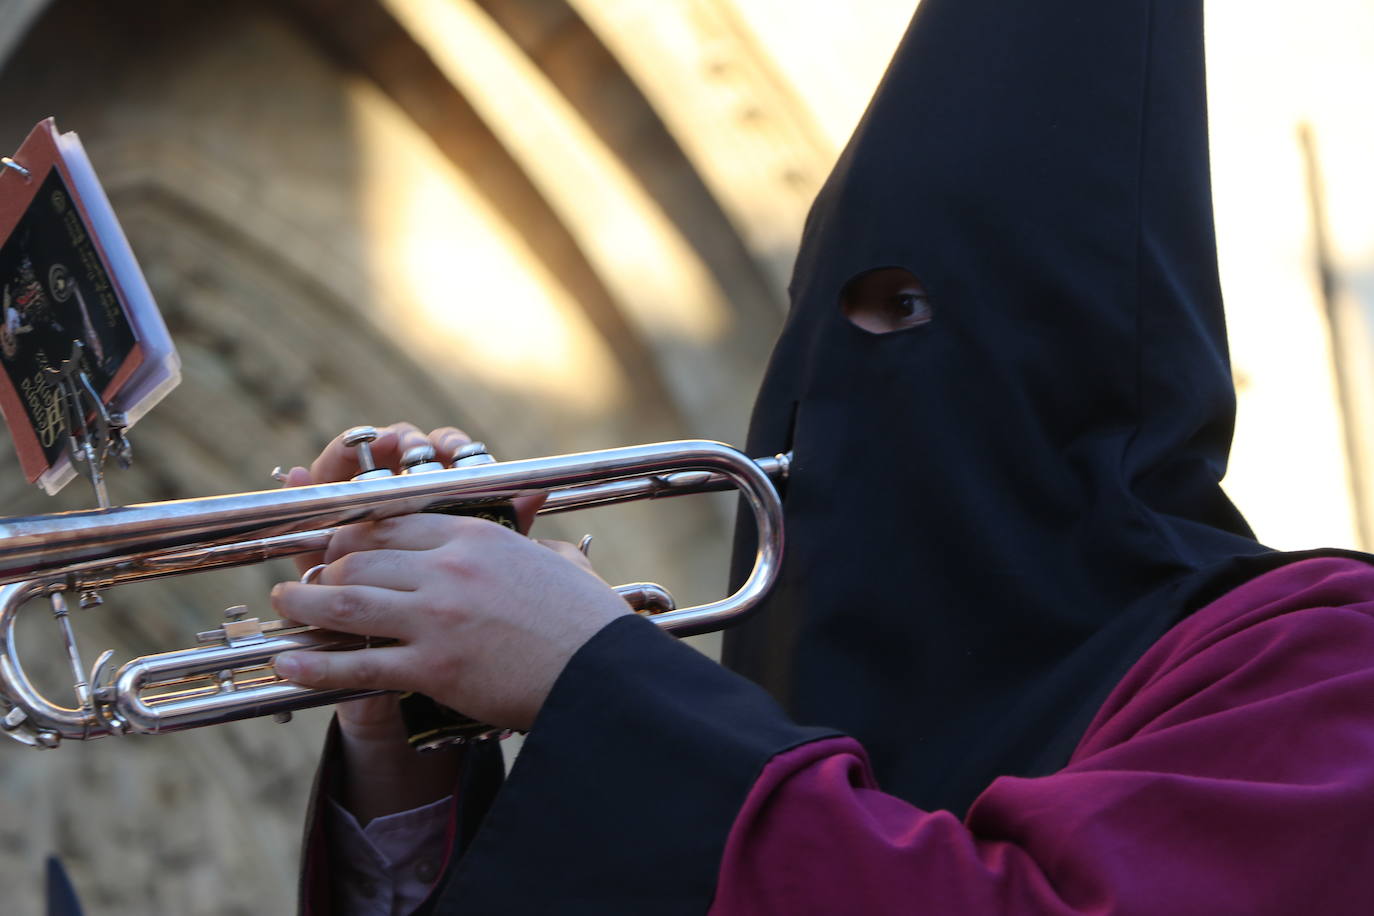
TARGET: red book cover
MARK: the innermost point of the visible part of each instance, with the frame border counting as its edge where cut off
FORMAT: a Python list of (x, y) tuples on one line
[(67, 275)]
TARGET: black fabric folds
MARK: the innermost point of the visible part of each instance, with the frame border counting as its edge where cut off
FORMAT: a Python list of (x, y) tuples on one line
[(991, 516), (625, 791)]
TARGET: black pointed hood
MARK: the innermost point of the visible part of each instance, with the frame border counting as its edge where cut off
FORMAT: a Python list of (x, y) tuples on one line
[(992, 515)]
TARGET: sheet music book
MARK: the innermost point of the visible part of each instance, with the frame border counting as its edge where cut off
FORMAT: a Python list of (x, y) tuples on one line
[(67, 274)]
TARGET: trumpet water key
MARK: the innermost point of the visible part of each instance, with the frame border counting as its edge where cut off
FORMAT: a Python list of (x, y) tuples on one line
[(229, 675)]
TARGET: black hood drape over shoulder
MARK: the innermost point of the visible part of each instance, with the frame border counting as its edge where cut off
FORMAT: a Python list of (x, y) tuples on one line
[(991, 516)]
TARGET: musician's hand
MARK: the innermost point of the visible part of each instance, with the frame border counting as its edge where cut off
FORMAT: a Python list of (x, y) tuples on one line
[(339, 462), (390, 775), (372, 720), (484, 619)]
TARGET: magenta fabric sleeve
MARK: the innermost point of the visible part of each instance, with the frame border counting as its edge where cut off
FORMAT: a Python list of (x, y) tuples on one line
[(1231, 771)]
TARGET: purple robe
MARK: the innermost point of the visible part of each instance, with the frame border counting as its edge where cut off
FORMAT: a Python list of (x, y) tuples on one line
[(1231, 771)]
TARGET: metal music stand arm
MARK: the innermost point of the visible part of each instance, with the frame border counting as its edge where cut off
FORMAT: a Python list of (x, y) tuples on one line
[(90, 444)]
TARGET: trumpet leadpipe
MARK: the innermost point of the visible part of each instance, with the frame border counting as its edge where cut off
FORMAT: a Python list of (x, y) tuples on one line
[(53, 545), (228, 676), (655, 486)]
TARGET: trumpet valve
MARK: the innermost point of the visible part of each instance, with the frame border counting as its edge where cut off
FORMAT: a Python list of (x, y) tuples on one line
[(419, 459), (471, 455), (361, 439)]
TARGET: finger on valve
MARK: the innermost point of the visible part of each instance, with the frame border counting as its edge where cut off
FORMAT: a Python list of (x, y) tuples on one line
[(447, 440), (339, 461)]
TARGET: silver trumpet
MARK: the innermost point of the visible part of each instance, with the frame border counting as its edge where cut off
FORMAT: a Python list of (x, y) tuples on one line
[(229, 675)]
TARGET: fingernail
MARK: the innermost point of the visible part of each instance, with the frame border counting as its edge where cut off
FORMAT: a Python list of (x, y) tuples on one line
[(285, 476), (289, 667)]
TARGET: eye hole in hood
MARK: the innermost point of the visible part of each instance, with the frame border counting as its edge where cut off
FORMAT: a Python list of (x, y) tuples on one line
[(885, 300)]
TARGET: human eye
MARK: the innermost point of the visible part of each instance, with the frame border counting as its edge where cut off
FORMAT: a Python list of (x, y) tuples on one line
[(885, 300), (912, 308)]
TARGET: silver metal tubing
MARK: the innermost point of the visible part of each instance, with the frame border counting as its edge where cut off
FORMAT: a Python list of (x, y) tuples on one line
[(261, 695), (37, 721), (104, 546), (230, 676)]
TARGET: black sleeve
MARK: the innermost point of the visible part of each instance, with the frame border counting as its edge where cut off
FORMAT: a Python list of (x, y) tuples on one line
[(625, 791)]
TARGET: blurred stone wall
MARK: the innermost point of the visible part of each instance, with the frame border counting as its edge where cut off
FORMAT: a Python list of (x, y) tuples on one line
[(224, 144), (252, 152)]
